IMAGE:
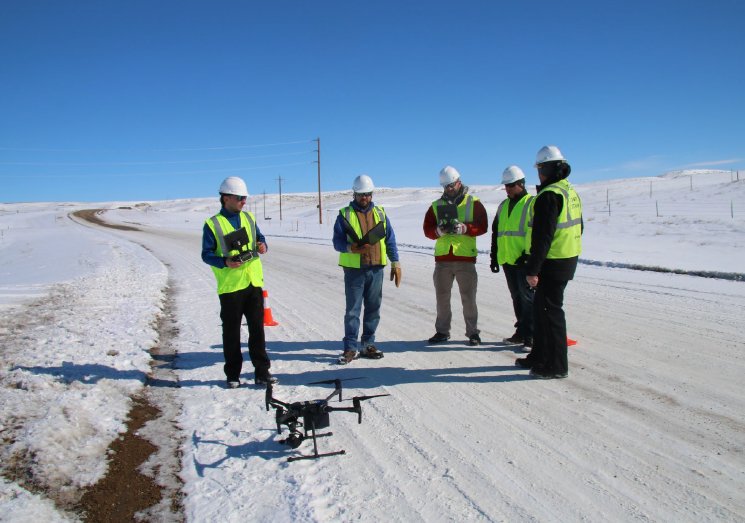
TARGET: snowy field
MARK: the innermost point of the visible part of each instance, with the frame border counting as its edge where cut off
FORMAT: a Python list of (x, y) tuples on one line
[(648, 427)]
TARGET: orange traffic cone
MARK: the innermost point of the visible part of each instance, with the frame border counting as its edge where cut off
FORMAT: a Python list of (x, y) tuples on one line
[(571, 342), (268, 320)]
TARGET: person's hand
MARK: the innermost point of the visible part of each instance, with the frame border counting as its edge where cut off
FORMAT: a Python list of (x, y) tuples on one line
[(396, 273), (494, 267), (360, 249), (232, 264), (441, 231), (532, 281), (261, 247), (459, 228)]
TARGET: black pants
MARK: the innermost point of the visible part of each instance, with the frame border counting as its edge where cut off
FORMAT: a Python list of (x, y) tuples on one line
[(549, 353), (248, 302), (522, 299)]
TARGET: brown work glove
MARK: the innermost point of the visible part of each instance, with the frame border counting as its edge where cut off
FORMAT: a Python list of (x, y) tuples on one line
[(396, 273)]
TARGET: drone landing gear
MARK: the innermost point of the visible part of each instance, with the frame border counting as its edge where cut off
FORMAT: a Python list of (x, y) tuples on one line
[(297, 437), (316, 455)]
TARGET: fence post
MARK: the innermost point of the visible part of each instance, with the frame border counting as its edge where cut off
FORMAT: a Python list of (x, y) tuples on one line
[(657, 208)]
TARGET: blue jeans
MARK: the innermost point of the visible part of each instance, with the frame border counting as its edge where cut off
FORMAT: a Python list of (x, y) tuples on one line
[(362, 286)]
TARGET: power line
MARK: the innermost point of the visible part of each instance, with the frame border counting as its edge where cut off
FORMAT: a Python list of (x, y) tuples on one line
[(213, 148), (163, 162), (171, 173)]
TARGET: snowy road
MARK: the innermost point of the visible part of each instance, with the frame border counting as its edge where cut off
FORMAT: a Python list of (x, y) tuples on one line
[(649, 425)]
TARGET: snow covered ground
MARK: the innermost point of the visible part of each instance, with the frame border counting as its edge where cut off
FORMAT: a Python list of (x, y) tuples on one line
[(648, 427)]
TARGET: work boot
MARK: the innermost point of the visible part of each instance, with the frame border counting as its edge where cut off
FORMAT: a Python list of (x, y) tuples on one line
[(515, 339), (371, 352), (234, 384), (474, 340), (439, 337), (548, 375), (265, 378), (348, 356), (525, 363)]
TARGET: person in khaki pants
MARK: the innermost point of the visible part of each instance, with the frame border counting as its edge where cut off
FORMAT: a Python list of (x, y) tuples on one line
[(453, 221)]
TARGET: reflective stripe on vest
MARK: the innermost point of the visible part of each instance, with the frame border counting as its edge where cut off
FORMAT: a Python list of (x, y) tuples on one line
[(511, 230), (352, 259), (567, 242), (462, 244), (251, 272)]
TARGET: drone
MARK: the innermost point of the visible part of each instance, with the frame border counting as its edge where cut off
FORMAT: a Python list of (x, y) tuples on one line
[(311, 416)]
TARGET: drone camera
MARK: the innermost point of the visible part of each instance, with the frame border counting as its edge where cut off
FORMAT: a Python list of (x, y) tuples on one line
[(294, 440)]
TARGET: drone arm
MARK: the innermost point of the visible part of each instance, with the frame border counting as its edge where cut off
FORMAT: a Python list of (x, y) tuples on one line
[(336, 391), (355, 408), (272, 401)]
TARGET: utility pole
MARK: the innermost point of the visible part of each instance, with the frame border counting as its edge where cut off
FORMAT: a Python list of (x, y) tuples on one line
[(318, 150), (265, 205), (280, 198)]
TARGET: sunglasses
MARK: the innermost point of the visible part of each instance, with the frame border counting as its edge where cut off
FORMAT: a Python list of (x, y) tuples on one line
[(451, 185), (510, 185), (239, 198), (363, 194)]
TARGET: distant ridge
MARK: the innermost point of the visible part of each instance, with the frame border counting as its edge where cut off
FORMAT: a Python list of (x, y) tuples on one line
[(696, 172)]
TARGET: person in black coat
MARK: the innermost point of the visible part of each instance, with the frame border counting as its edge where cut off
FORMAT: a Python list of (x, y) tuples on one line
[(554, 250)]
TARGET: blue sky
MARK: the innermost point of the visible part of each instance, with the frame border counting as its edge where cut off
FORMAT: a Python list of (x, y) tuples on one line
[(150, 100)]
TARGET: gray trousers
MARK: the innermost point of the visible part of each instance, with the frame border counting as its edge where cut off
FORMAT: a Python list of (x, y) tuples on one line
[(465, 274)]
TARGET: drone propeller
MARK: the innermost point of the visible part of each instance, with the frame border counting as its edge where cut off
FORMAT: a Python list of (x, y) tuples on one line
[(363, 398), (333, 382), (359, 399), (337, 385)]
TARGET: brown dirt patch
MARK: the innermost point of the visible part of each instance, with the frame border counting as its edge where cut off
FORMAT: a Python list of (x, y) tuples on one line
[(92, 216), (124, 491)]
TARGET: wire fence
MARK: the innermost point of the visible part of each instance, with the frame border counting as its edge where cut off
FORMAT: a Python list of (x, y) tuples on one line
[(708, 194)]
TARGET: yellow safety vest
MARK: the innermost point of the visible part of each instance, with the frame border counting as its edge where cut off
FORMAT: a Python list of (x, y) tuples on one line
[(512, 229), (462, 244), (567, 242), (352, 259), (251, 272)]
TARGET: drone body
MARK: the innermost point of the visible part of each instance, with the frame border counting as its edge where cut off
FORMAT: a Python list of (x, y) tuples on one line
[(314, 414)]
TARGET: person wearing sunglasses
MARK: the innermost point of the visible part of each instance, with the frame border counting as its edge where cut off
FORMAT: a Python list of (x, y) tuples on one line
[(231, 245), (365, 240), (453, 221), (509, 248), (555, 245)]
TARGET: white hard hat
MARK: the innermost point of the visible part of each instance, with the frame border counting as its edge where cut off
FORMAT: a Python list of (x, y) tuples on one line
[(362, 184), (234, 185), (548, 153), (448, 175), (512, 174)]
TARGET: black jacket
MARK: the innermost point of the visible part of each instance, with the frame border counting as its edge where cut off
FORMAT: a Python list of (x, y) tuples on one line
[(546, 209)]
